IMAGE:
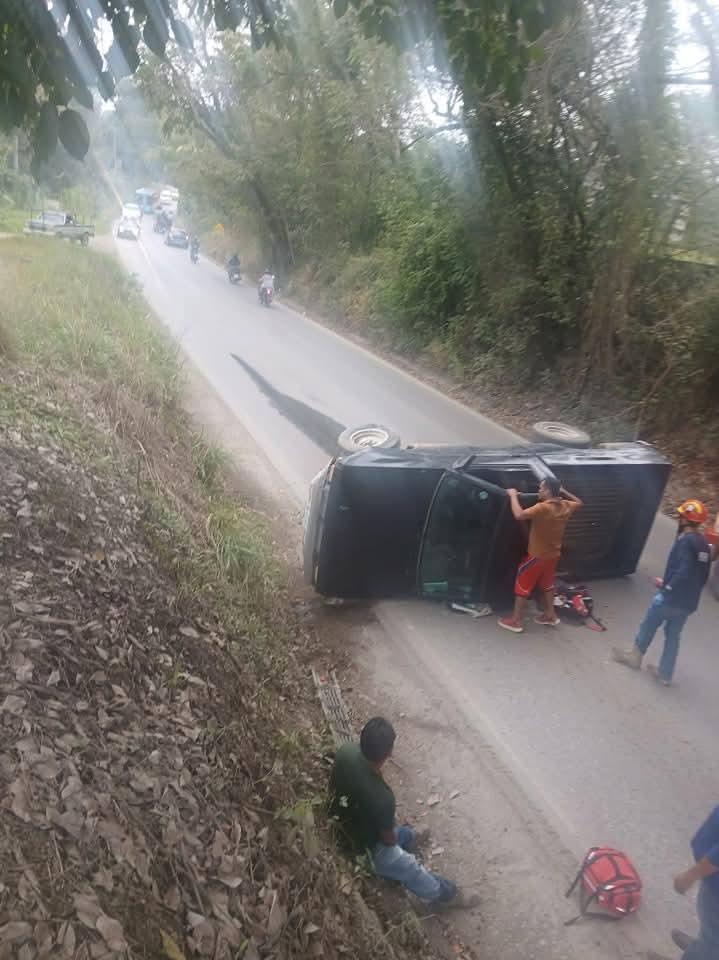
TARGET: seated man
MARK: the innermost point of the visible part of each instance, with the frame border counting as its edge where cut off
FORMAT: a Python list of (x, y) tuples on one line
[(364, 807)]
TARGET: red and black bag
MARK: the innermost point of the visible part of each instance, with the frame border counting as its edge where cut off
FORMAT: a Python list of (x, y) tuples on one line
[(608, 878)]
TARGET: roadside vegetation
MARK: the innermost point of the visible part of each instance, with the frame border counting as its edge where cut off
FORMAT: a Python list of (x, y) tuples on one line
[(165, 753), (561, 237)]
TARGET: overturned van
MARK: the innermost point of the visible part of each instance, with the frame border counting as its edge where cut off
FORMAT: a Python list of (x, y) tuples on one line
[(436, 521)]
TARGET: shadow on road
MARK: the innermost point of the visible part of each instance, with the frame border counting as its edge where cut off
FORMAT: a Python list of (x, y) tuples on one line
[(318, 427)]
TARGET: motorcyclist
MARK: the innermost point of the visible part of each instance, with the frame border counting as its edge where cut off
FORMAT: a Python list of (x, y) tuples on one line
[(267, 281), (194, 245), (233, 263)]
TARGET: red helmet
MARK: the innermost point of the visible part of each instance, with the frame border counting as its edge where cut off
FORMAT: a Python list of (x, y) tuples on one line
[(693, 511)]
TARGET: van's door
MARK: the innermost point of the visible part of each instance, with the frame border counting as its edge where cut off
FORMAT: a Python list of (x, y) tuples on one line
[(462, 523)]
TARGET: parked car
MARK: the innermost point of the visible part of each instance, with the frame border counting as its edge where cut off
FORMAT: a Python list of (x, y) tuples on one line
[(435, 521), (128, 229), (177, 238), (59, 223)]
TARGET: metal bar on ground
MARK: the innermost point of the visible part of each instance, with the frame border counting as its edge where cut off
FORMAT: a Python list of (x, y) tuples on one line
[(333, 706)]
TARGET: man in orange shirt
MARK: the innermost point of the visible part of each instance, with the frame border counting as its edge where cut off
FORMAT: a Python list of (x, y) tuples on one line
[(549, 520)]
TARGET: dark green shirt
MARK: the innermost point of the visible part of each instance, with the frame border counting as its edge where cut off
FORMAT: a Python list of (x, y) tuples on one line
[(360, 800)]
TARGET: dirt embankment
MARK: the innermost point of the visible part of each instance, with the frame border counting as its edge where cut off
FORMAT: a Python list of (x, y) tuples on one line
[(164, 759)]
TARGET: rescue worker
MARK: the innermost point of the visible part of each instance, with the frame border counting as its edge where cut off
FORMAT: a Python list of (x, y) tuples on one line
[(677, 596), (705, 847)]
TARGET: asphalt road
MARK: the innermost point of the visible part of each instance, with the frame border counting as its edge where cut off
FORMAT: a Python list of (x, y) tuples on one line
[(610, 757)]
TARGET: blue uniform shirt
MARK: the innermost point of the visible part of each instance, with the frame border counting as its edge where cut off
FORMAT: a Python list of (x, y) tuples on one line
[(706, 844), (687, 571)]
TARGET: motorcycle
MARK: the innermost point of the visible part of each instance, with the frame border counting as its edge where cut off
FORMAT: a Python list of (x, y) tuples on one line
[(266, 294), (233, 274), (194, 254)]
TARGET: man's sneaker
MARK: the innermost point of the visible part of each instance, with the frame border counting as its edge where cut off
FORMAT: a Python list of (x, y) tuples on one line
[(630, 658), (509, 623), (682, 940), (546, 621), (654, 671)]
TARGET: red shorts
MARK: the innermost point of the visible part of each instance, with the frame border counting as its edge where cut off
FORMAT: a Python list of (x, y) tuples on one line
[(534, 572)]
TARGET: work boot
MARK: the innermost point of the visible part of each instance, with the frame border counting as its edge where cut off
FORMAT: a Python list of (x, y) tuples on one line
[(460, 901), (630, 658), (654, 671), (682, 940)]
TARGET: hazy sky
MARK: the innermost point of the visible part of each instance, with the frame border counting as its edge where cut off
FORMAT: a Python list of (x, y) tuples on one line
[(688, 54)]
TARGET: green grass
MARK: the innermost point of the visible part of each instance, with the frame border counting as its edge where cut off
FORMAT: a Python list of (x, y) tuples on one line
[(74, 311), (80, 328), (12, 220)]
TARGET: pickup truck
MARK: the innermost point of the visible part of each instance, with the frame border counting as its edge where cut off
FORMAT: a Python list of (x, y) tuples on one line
[(435, 520), (59, 223)]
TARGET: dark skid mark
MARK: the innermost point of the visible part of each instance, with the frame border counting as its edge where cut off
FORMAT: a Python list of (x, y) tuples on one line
[(321, 429)]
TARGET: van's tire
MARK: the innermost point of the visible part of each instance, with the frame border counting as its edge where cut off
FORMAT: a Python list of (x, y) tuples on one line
[(369, 435), (552, 431)]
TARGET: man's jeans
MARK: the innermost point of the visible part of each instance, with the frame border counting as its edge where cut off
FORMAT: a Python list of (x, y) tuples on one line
[(706, 947), (660, 612), (395, 863)]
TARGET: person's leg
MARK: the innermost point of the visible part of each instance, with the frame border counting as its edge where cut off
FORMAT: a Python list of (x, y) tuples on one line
[(653, 619), (548, 604), (673, 626), (520, 609), (406, 837), (546, 585), (524, 585), (394, 863), (706, 946)]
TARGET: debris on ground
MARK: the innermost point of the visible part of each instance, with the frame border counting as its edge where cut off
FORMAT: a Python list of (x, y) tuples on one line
[(150, 774)]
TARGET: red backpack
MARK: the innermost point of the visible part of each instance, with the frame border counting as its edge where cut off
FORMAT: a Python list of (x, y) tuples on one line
[(610, 879)]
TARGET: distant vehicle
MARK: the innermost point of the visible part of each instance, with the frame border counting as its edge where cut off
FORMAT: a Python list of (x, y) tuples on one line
[(146, 199), (131, 211), (233, 274), (169, 200), (177, 238), (128, 229), (59, 223), (435, 521), (266, 294)]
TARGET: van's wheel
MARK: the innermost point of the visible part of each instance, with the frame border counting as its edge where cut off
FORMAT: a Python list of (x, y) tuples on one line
[(369, 435), (552, 431)]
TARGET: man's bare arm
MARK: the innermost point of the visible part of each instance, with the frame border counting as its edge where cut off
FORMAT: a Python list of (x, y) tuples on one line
[(518, 512), (570, 496)]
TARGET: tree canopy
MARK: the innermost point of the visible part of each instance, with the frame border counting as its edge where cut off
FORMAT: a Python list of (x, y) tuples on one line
[(54, 55)]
